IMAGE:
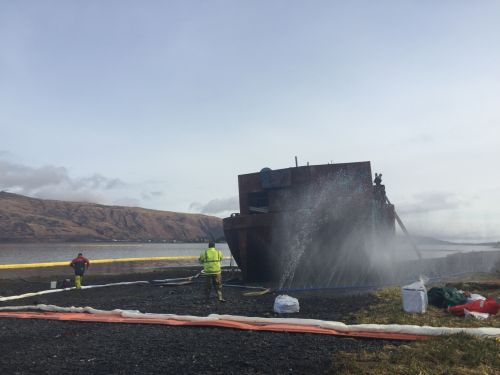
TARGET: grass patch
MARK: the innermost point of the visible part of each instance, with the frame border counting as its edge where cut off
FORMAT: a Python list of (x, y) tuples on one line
[(456, 354), (388, 309)]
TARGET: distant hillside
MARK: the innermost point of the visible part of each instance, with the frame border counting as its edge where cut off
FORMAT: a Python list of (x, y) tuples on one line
[(422, 240), (25, 219)]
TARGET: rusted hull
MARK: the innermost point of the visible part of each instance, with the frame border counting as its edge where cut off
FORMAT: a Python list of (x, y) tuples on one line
[(249, 238), (256, 244)]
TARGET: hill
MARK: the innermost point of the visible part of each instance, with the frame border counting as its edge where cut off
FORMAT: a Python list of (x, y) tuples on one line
[(24, 219)]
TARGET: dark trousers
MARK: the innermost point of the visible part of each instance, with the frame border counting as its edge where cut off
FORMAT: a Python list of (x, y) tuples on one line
[(216, 281)]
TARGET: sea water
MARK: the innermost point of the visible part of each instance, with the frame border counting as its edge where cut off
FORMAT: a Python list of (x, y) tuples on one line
[(57, 252)]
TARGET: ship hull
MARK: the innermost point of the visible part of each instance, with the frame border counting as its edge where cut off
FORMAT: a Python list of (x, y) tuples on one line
[(249, 238), (299, 225)]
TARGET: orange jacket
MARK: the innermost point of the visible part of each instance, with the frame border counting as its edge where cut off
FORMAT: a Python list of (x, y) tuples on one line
[(80, 264)]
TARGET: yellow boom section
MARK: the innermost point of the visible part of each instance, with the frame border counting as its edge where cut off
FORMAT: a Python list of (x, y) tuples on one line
[(98, 261)]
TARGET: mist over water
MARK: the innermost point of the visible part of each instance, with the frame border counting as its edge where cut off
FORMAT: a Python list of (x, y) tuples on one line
[(325, 242), (336, 239), (333, 241)]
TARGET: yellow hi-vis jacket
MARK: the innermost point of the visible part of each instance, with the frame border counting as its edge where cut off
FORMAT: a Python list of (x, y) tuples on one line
[(210, 259)]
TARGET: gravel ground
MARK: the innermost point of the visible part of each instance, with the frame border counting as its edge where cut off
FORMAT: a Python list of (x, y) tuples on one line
[(54, 347)]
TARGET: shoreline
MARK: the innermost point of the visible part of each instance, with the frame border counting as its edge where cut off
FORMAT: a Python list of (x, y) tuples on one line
[(433, 268), (97, 267), (32, 242)]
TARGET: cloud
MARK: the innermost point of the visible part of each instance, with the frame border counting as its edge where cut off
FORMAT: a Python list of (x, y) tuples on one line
[(151, 195), (429, 202), (470, 218), (98, 181), (216, 206), (54, 182), (28, 179)]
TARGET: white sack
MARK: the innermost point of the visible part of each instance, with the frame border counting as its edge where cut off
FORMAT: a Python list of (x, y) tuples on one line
[(414, 297), (286, 304)]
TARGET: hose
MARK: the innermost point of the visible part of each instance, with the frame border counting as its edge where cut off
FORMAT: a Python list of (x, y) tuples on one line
[(172, 282), (370, 286), (260, 290)]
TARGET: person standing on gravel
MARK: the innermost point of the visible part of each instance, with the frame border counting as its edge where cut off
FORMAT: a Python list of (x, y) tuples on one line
[(79, 265), (211, 259)]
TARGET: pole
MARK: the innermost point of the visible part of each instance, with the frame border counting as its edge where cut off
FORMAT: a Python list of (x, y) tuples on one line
[(405, 231)]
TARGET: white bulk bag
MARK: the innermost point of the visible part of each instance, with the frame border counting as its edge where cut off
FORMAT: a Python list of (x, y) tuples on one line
[(286, 304), (414, 297)]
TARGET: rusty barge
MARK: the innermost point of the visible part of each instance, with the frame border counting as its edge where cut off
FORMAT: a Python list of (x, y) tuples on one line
[(315, 213)]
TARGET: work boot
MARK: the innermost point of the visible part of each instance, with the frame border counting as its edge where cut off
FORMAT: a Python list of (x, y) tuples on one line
[(219, 294)]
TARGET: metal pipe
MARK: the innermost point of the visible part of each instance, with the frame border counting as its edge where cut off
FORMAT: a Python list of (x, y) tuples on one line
[(405, 231)]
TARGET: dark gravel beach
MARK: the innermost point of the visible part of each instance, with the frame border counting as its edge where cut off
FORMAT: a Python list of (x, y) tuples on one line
[(54, 347)]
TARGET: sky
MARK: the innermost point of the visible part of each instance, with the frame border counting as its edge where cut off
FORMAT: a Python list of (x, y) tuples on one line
[(161, 104)]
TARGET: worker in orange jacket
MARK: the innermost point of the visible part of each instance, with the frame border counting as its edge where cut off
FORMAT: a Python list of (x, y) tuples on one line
[(80, 264)]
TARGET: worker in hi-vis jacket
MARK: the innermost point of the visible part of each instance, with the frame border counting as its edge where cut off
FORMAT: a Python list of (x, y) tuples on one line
[(79, 265), (211, 259)]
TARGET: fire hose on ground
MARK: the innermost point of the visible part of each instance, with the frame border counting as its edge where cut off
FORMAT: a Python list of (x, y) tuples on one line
[(171, 282), (164, 282)]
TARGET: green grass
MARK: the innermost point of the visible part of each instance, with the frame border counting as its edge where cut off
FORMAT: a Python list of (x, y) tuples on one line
[(455, 354), (389, 310)]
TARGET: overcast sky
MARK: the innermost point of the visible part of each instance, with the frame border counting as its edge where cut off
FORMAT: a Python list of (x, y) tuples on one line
[(161, 104)]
